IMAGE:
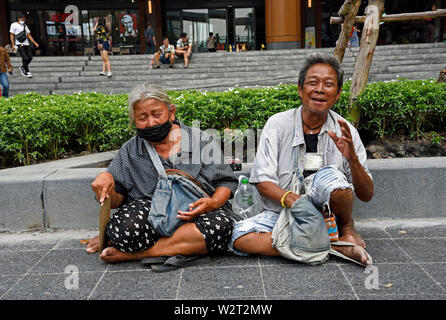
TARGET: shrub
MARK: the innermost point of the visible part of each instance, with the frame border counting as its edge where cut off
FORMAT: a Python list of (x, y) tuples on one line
[(35, 127)]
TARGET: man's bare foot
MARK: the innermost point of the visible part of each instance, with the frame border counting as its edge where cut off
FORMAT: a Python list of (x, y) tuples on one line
[(351, 232), (93, 245), (113, 255), (357, 252)]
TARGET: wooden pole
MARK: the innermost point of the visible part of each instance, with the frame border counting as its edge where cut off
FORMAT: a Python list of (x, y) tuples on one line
[(370, 34), (348, 12), (397, 17)]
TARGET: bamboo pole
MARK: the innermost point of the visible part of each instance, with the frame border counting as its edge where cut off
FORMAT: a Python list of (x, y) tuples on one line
[(369, 38), (348, 11), (397, 17)]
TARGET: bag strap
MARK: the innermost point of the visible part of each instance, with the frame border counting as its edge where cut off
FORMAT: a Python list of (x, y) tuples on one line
[(297, 181), (155, 159)]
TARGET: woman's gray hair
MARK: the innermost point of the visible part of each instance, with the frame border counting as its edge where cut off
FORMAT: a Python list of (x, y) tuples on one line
[(315, 58), (144, 92)]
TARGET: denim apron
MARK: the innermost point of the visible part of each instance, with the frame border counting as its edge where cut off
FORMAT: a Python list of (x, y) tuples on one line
[(174, 192), (300, 232)]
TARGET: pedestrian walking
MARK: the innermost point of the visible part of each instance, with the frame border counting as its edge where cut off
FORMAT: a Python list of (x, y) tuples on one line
[(149, 36), (20, 36), (103, 38), (5, 63)]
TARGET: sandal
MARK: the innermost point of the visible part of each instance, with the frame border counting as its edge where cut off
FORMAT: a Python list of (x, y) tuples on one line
[(180, 261), (155, 260), (349, 244)]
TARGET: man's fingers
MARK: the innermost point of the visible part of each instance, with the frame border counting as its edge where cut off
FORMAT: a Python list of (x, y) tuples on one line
[(344, 125), (333, 136), (346, 133)]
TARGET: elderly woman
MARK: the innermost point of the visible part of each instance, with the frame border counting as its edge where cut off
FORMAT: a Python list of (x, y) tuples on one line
[(131, 180)]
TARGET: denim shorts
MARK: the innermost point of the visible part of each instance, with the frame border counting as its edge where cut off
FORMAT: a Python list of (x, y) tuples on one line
[(164, 60), (325, 181)]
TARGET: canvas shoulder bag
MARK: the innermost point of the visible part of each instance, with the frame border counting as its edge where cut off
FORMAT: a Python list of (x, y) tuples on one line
[(300, 232), (175, 190)]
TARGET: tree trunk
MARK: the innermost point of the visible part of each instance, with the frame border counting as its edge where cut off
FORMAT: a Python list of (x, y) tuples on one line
[(397, 17), (348, 12), (369, 38)]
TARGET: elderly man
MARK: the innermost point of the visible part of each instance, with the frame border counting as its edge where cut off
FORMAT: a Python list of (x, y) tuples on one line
[(163, 143), (330, 155)]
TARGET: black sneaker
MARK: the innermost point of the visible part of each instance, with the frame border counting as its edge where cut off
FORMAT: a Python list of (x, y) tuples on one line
[(170, 66), (22, 71), (158, 67), (28, 75)]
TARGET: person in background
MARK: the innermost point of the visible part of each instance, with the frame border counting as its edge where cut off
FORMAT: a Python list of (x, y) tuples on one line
[(165, 54), (5, 62), (20, 36), (354, 39), (103, 37), (184, 48), (149, 36), (211, 43)]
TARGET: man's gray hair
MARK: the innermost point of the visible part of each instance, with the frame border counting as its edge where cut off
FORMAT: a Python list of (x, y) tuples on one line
[(325, 58), (144, 92)]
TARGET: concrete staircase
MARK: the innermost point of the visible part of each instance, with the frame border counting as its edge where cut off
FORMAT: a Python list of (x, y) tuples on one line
[(215, 71)]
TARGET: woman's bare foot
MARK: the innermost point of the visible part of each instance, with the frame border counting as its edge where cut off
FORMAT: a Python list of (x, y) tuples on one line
[(113, 255), (357, 252), (93, 245)]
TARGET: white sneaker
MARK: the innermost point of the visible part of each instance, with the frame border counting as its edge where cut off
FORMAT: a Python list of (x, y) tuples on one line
[(22, 71), (109, 74), (28, 75)]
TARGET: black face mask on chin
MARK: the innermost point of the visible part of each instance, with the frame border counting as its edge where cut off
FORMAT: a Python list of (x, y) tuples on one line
[(156, 133)]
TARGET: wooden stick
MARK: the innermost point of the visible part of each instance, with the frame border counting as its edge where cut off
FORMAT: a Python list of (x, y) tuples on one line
[(104, 217), (345, 9), (397, 17)]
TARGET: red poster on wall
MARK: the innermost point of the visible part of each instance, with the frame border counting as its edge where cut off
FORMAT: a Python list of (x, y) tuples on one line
[(128, 26)]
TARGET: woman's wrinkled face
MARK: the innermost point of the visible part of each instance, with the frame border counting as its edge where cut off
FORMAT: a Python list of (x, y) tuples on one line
[(320, 90), (152, 112)]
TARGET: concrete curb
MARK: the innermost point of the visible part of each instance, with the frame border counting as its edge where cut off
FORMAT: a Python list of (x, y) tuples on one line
[(57, 194)]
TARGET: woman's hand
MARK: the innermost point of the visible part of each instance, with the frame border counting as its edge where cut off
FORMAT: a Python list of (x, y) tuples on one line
[(197, 208), (103, 186)]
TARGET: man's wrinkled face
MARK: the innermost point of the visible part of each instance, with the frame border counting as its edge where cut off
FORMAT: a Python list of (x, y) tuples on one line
[(320, 90)]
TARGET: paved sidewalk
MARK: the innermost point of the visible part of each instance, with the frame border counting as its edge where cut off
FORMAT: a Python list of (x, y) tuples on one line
[(410, 260)]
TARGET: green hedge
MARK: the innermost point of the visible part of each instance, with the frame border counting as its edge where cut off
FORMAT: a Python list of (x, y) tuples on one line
[(35, 127)]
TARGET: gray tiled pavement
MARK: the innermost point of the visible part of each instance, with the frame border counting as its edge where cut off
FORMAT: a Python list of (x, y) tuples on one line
[(410, 260)]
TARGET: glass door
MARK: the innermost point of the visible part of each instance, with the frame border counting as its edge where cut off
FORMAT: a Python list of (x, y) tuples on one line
[(218, 26), (195, 24), (244, 28)]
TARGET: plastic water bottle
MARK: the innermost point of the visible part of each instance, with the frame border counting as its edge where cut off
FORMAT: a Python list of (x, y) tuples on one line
[(244, 199)]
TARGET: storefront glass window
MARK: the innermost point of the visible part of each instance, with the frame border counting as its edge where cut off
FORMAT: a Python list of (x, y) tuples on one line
[(217, 25), (244, 27), (196, 25)]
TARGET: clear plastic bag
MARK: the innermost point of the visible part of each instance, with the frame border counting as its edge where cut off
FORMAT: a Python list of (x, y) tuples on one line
[(252, 210)]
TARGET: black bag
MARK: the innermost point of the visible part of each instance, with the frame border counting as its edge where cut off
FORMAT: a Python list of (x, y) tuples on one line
[(21, 37)]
